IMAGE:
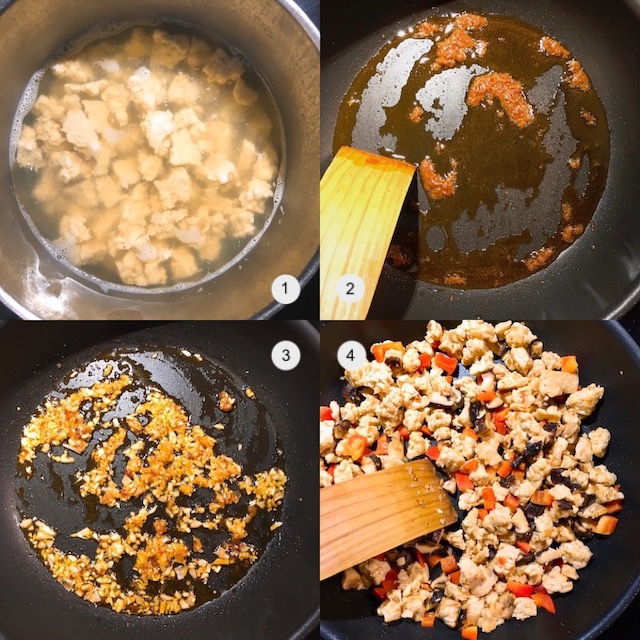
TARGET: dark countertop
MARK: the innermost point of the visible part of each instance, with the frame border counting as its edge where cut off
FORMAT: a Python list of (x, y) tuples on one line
[(308, 305), (626, 625)]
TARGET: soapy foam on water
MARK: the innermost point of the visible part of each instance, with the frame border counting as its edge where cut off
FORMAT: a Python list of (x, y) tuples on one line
[(48, 296), (64, 251)]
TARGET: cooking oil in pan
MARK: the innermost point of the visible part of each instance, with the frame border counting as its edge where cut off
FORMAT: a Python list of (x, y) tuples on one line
[(48, 487), (511, 134)]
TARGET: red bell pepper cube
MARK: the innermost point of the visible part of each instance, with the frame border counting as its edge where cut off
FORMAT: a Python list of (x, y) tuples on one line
[(445, 362), (357, 446), (489, 498), (449, 564), (544, 600), (433, 453), (428, 620), (425, 361), (470, 632), (463, 481), (520, 590)]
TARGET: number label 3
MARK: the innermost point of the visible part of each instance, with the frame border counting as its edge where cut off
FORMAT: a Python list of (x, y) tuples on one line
[(286, 355)]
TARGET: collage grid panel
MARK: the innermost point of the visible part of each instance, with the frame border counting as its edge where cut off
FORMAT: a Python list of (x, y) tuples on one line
[(595, 279)]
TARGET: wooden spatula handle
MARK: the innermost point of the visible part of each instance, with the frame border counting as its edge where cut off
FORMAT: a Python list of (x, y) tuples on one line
[(361, 195), (376, 512)]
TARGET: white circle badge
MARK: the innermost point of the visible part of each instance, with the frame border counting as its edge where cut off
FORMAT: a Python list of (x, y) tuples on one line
[(350, 288), (352, 355), (285, 289), (286, 355)]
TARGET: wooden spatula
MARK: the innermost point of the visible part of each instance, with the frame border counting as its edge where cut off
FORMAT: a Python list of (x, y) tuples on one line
[(375, 512), (361, 195)]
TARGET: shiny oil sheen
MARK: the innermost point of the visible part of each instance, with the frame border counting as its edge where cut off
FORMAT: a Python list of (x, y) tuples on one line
[(512, 182), (249, 438)]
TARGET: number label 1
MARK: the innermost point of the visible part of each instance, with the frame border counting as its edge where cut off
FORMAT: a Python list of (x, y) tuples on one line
[(285, 289)]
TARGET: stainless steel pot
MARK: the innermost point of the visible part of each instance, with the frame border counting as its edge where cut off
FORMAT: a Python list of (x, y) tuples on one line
[(283, 45)]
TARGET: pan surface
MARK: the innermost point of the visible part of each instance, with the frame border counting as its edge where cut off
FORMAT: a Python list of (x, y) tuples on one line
[(277, 599), (607, 42), (608, 357)]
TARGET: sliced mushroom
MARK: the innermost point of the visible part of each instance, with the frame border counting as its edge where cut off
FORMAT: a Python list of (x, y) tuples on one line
[(583, 529), (478, 412), (520, 521), (488, 381), (435, 536), (351, 394), (371, 463), (341, 429), (440, 400), (464, 417), (536, 348)]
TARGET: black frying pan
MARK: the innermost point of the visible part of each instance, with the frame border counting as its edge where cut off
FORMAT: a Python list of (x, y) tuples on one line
[(278, 598), (606, 356), (584, 282)]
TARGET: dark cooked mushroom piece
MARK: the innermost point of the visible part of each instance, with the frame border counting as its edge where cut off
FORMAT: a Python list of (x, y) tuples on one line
[(351, 394), (535, 349), (395, 364), (434, 537), (448, 550), (527, 558), (376, 460), (581, 531), (551, 427), (436, 596), (556, 477), (532, 449), (565, 505), (458, 400), (480, 423), (524, 536), (404, 559), (392, 556), (507, 482), (475, 411), (341, 429), (533, 510), (439, 400)]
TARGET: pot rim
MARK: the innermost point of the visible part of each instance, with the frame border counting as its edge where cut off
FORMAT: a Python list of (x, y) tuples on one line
[(312, 32)]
